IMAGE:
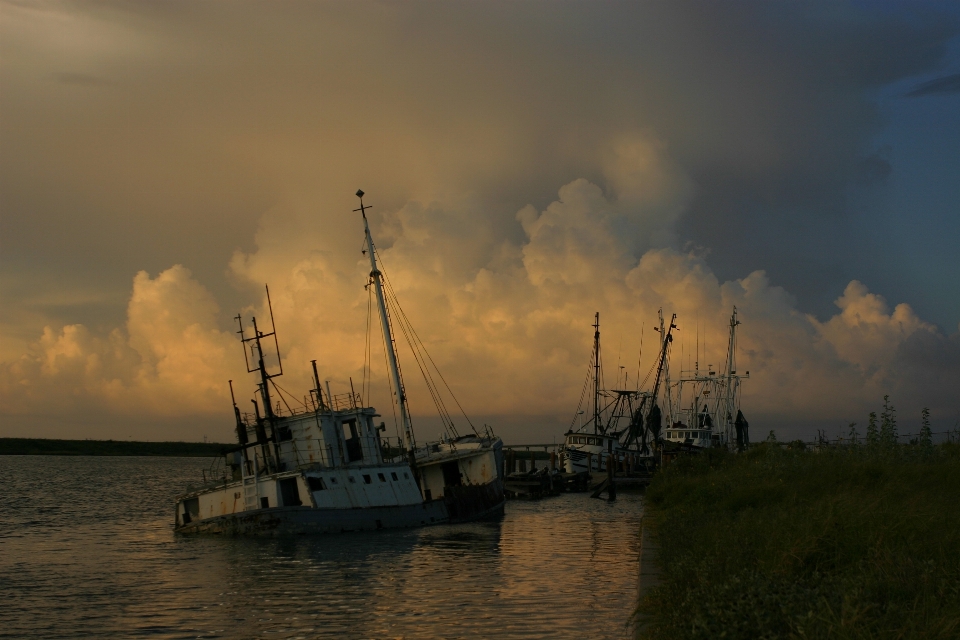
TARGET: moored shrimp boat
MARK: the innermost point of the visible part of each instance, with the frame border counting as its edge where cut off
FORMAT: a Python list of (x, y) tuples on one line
[(325, 469), (703, 408), (625, 424)]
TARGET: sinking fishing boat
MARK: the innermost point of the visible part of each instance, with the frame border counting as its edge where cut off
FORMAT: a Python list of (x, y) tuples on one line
[(324, 467)]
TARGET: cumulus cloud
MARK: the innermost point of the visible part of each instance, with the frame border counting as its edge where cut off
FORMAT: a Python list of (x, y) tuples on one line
[(169, 360), (507, 322)]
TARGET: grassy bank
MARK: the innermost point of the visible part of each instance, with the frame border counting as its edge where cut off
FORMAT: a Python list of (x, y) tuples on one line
[(42, 446), (855, 543)]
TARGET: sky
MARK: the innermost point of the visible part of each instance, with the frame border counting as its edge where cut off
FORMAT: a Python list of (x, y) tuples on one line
[(529, 164)]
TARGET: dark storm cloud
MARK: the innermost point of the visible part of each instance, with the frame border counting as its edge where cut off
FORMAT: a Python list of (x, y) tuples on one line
[(799, 121), (946, 84)]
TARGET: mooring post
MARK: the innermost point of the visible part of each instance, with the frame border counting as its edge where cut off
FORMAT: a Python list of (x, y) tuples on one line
[(553, 461), (611, 487)]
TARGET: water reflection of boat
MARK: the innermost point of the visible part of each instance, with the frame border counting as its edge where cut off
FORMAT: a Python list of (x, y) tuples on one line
[(323, 467)]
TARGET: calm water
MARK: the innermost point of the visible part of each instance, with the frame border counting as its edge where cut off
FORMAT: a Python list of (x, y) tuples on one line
[(87, 550)]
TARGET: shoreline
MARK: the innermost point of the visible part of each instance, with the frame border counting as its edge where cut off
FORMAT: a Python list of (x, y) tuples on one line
[(52, 447)]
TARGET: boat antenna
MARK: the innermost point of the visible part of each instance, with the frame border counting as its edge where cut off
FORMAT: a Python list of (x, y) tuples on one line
[(261, 366), (391, 346)]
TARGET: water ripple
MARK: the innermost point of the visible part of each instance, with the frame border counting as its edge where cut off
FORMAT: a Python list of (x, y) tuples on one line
[(87, 551)]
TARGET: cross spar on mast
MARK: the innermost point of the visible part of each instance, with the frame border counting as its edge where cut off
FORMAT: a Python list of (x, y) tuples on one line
[(375, 275)]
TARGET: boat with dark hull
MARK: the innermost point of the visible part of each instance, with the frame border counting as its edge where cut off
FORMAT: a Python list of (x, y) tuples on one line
[(324, 467)]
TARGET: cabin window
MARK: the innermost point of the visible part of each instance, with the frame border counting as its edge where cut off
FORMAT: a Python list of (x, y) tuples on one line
[(290, 492), (427, 496), (393, 474), (284, 434), (351, 438), (366, 479), (264, 502), (382, 477), (315, 484)]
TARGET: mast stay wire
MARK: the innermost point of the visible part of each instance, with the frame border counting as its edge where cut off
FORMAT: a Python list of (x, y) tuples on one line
[(422, 356), (412, 341), (583, 393), (280, 393)]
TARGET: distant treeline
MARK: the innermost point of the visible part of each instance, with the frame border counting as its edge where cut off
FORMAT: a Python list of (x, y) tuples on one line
[(45, 447)]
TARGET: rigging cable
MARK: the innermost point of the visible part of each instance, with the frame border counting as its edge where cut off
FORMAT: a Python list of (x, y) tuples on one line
[(421, 355), (437, 369)]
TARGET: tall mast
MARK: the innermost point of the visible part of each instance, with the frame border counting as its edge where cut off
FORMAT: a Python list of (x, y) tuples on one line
[(666, 339), (731, 372), (376, 276), (264, 376), (596, 373)]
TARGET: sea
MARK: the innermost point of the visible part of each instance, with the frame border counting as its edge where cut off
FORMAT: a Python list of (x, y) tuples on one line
[(87, 550)]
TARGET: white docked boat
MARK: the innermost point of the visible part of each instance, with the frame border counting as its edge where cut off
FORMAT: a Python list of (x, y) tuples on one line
[(703, 407), (325, 468)]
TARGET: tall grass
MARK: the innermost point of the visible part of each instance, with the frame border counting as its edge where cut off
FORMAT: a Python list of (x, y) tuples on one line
[(843, 543)]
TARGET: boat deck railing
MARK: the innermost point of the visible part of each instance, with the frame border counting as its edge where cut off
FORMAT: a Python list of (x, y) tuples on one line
[(339, 402)]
